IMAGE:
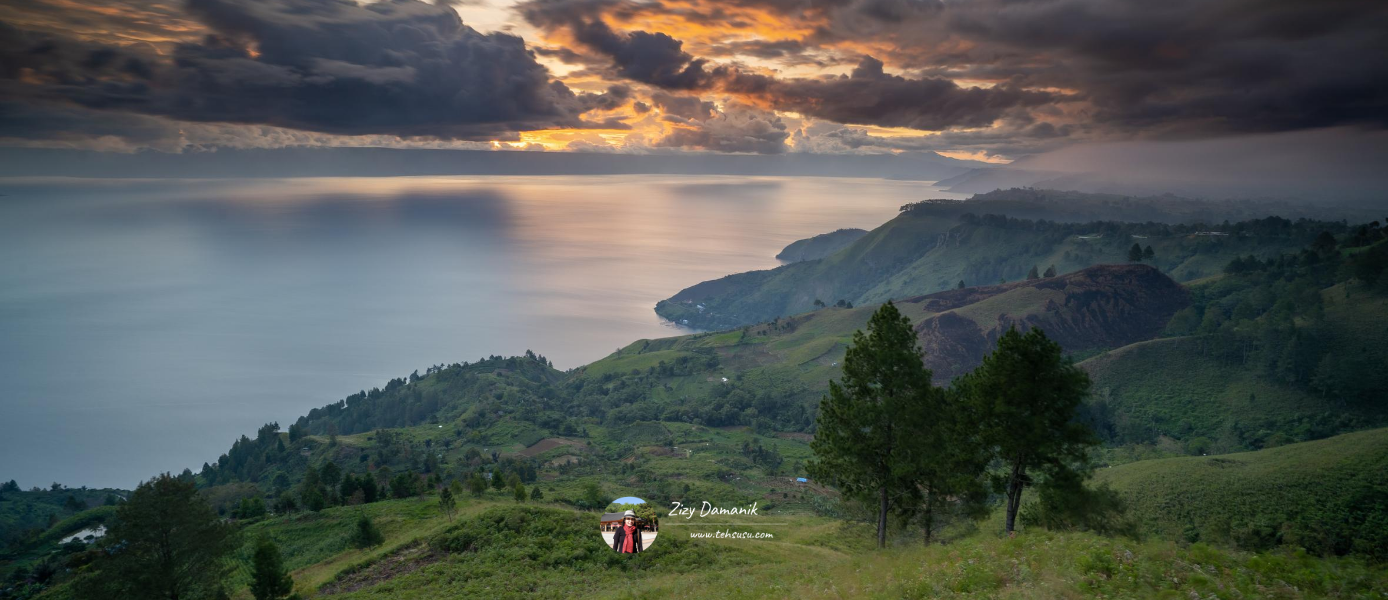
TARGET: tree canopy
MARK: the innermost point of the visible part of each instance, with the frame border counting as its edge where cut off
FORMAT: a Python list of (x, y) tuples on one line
[(870, 417), (269, 579), (165, 542), (1026, 395)]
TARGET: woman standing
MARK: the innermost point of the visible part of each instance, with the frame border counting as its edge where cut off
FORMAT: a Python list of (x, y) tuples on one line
[(627, 539)]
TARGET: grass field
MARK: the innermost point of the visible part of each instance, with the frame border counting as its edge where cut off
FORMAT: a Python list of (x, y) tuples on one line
[(499, 550), (1330, 496)]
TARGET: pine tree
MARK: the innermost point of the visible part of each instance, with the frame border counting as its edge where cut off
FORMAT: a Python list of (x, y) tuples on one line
[(366, 534), (330, 474), (1025, 395), (960, 286), (1033, 273), (948, 458), (863, 441), (536, 495), (269, 579), (592, 495), (311, 491), (1148, 253), (173, 545), (1050, 271), (477, 485), (1135, 253), (447, 503), (519, 492)]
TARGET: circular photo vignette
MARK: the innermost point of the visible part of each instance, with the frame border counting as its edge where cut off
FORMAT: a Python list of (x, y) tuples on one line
[(629, 525)]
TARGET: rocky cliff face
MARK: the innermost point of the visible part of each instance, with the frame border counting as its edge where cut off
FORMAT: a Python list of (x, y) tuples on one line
[(1105, 306)]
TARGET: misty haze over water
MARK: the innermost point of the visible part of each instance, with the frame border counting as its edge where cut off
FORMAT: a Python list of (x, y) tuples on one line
[(146, 324)]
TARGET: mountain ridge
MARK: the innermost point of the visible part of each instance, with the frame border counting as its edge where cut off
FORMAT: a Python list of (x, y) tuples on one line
[(932, 246)]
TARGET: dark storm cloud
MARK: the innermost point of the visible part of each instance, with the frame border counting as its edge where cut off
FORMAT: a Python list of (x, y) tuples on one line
[(1190, 65), (654, 58), (684, 108), (867, 96), (1184, 67), (870, 96), (1170, 68), (399, 67)]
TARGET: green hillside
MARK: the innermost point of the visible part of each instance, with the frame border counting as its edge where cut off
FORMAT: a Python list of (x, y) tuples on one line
[(497, 549), (1329, 496), (27, 515), (1272, 352), (819, 246), (932, 246)]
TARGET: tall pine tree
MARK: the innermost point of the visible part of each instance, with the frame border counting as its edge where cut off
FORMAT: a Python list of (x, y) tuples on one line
[(447, 503), (862, 444), (269, 579), (947, 457), (1025, 396)]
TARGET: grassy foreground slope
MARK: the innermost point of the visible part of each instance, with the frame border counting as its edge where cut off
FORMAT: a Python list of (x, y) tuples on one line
[(1247, 511), (546, 553), (495, 549), (1329, 496)]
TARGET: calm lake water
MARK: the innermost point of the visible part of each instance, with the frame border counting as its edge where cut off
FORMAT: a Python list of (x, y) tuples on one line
[(145, 325)]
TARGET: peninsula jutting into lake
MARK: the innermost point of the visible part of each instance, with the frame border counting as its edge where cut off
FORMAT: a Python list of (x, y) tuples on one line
[(420, 299)]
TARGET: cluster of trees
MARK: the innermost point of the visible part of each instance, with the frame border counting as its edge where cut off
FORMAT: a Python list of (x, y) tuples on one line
[(249, 459), (1032, 274), (524, 386), (167, 542), (1138, 254), (1294, 324), (1269, 316), (26, 514), (887, 436), (769, 459), (328, 484)]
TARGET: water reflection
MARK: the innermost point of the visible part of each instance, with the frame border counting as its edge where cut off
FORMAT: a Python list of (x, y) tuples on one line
[(146, 324)]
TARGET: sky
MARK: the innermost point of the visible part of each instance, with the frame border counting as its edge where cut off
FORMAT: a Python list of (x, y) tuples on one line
[(991, 80)]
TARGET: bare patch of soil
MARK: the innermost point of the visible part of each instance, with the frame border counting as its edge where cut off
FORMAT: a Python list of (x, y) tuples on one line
[(563, 460), (548, 444), (403, 562)]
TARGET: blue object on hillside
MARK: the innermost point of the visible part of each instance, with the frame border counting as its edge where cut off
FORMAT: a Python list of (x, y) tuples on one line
[(801, 480)]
